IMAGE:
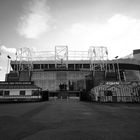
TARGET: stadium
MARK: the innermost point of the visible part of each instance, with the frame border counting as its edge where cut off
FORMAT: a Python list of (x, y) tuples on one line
[(66, 73)]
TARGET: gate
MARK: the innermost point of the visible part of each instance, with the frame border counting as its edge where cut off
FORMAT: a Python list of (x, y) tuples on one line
[(54, 95)]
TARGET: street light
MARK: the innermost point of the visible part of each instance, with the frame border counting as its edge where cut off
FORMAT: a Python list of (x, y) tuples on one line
[(8, 63), (118, 69)]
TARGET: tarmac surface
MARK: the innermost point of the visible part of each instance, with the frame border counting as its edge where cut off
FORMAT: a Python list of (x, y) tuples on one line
[(69, 120)]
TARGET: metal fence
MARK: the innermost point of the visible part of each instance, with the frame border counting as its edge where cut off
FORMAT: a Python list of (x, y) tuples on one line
[(19, 98), (131, 99)]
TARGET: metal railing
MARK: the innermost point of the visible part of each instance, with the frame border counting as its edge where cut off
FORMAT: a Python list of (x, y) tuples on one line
[(126, 99), (19, 98)]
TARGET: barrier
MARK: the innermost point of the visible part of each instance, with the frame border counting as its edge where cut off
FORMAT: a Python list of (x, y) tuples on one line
[(127, 99), (19, 98)]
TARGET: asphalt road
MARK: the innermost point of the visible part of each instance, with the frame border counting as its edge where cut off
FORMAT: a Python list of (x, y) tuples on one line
[(69, 120)]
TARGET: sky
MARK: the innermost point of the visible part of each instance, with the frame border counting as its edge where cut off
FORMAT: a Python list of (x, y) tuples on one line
[(79, 24)]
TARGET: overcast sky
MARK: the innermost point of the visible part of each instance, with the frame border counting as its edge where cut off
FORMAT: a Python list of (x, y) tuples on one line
[(79, 24)]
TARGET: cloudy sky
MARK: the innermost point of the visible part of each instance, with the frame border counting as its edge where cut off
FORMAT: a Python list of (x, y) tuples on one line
[(42, 24)]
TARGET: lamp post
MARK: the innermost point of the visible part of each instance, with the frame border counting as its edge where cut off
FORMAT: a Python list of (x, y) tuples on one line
[(118, 69), (8, 62)]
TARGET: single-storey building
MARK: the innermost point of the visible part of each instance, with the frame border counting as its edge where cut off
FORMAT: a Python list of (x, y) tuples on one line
[(26, 91), (122, 92)]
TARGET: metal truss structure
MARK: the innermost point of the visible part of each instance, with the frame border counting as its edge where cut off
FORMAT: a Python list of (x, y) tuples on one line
[(61, 56), (98, 56), (24, 57)]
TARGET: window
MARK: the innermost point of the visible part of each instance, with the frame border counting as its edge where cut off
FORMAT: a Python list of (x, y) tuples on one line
[(42, 66), (6, 93), (1, 92), (35, 92), (87, 66), (78, 66), (138, 92), (36, 66), (108, 93), (46, 66), (71, 66), (22, 92), (51, 66)]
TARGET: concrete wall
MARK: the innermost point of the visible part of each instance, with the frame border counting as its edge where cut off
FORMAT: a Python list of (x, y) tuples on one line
[(132, 75), (51, 79)]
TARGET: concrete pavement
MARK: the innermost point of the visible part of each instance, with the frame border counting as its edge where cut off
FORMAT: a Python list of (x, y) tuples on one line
[(69, 120)]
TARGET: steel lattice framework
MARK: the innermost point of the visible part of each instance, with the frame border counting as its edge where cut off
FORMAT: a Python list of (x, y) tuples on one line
[(61, 56), (98, 56), (24, 56)]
